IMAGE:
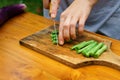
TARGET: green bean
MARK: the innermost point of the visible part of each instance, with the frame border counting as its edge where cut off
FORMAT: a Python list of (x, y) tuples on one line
[(82, 44), (100, 51), (91, 44), (55, 31), (85, 52), (54, 36), (87, 43), (95, 49), (54, 42), (90, 48)]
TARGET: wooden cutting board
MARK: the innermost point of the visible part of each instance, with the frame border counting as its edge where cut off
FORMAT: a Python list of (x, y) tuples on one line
[(41, 42)]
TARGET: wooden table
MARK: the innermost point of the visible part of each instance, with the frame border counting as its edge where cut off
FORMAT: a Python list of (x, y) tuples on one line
[(20, 63)]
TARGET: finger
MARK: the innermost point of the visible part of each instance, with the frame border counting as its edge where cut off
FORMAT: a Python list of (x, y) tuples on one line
[(66, 28), (73, 23), (60, 37), (53, 8), (81, 24)]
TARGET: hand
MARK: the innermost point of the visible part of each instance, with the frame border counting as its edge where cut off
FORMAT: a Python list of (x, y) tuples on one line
[(78, 11), (53, 6)]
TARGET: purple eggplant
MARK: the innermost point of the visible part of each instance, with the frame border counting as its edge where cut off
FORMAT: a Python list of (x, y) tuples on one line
[(11, 11)]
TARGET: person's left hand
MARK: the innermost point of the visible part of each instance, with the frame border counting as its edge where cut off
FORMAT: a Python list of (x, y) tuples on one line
[(78, 11), (53, 6)]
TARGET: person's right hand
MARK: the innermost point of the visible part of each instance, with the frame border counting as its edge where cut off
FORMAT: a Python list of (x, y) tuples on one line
[(53, 6), (77, 12)]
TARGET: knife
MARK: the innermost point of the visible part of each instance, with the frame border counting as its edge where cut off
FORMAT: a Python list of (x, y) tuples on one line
[(54, 23)]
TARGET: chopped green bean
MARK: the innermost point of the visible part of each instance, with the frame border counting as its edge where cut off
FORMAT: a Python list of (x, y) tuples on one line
[(54, 35), (87, 43), (90, 48), (82, 44), (54, 42), (91, 44), (95, 49), (100, 51), (85, 52)]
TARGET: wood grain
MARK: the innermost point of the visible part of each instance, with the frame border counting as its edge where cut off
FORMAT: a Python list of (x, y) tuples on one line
[(16, 59)]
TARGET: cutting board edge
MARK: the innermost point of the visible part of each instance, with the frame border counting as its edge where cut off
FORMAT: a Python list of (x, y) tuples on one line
[(48, 55), (75, 66)]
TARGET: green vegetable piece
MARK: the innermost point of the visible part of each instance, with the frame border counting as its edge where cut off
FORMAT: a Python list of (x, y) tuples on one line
[(54, 42), (82, 44), (85, 51), (90, 41), (79, 51), (87, 43), (95, 49), (55, 32), (100, 51), (76, 49), (54, 35)]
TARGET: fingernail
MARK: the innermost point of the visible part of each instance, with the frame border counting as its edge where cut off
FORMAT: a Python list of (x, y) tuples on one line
[(61, 43), (53, 15)]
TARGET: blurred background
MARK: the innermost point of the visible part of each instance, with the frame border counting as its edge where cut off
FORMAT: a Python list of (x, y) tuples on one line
[(34, 6)]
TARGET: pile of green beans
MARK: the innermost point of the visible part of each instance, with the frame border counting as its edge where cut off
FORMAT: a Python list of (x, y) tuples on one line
[(90, 48), (54, 36)]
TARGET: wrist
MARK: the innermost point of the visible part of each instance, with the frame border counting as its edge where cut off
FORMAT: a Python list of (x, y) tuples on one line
[(92, 2)]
